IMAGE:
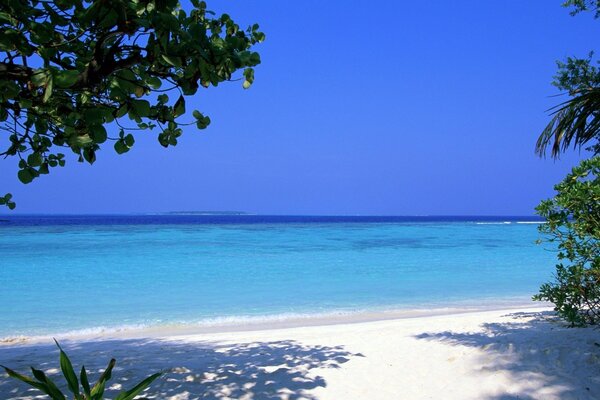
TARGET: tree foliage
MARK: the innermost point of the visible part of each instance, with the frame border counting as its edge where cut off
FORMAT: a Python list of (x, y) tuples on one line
[(573, 224), (76, 74), (578, 6), (575, 122), (573, 215)]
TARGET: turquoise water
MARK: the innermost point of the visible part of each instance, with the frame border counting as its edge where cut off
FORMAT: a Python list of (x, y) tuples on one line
[(81, 273)]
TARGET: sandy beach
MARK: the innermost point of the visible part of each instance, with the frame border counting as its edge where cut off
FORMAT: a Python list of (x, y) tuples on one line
[(501, 354)]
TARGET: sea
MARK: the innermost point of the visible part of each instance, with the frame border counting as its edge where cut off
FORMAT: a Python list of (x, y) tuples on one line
[(69, 275)]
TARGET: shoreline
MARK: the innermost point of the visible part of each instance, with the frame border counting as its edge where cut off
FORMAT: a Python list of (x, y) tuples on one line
[(511, 353), (224, 325)]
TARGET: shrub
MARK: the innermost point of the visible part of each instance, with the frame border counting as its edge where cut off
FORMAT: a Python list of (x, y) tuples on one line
[(573, 223), (96, 392)]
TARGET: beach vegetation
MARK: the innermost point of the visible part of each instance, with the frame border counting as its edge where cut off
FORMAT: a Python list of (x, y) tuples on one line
[(80, 389), (78, 75), (576, 121), (573, 225), (573, 214)]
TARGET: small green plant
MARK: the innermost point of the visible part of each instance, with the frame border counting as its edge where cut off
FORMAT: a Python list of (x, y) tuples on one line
[(573, 222), (96, 392)]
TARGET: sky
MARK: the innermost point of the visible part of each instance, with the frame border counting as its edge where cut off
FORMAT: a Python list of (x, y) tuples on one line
[(358, 108)]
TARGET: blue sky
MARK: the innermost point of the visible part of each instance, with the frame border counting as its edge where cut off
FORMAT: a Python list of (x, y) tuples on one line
[(379, 107)]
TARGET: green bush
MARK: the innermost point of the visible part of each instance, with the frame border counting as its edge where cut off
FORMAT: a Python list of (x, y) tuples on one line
[(573, 223), (96, 392)]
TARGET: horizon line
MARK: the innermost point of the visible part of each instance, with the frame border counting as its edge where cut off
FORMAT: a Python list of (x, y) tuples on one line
[(251, 214)]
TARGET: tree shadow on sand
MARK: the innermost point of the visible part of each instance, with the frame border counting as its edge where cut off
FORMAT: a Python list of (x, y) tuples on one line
[(546, 359), (198, 370)]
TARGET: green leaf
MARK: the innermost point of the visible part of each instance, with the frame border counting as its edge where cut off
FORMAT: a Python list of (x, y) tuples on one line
[(65, 79), (249, 74), (254, 58), (122, 110), (7, 18), (34, 159), (43, 169), (174, 61), (163, 139), (130, 394), (139, 91), (25, 175), (98, 133), (93, 115), (85, 97), (48, 90), (40, 77), (129, 140), (202, 123), (81, 140), (40, 386), (53, 390), (85, 383), (98, 389), (154, 82), (179, 107), (68, 372), (249, 78), (41, 126), (89, 154), (121, 147), (141, 107), (9, 90)]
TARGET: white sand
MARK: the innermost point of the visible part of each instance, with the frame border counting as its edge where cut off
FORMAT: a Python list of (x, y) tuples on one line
[(501, 355)]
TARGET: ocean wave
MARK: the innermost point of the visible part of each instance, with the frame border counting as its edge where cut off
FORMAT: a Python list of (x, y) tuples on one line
[(75, 333), (225, 322), (510, 222), (267, 321)]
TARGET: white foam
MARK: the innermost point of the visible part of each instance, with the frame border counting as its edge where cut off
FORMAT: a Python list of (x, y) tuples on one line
[(282, 320), (75, 334)]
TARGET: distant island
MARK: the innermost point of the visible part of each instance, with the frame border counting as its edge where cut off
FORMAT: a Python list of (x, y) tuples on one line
[(207, 213)]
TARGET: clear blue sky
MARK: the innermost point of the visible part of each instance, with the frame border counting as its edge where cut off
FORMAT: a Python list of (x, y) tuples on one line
[(378, 107)]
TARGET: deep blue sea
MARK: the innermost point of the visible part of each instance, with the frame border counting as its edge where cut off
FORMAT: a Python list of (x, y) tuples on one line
[(83, 273)]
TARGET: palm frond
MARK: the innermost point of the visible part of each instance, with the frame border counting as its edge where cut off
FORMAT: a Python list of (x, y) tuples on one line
[(574, 123)]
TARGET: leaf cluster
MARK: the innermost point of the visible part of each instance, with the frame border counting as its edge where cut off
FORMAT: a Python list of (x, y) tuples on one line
[(573, 224), (74, 71), (577, 74), (575, 122), (80, 389), (578, 6), (6, 200)]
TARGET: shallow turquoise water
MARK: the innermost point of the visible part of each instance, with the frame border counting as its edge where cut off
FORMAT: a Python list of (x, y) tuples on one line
[(59, 277)]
